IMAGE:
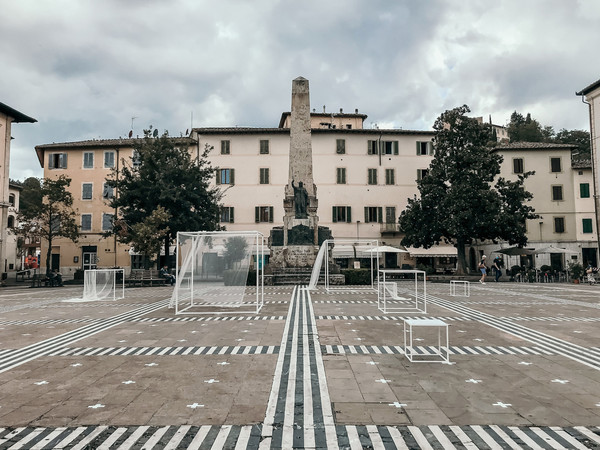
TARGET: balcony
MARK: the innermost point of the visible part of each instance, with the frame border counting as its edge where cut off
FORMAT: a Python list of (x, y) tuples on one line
[(389, 228)]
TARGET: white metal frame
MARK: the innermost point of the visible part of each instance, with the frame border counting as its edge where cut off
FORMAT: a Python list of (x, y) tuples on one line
[(115, 271), (373, 257), (466, 288), (387, 292), (442, 352), (259, 251)]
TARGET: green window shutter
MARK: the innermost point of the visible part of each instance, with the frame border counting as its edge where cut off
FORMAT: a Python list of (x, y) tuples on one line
[(348, 214), (232, 179), (231, 214), (334, 214), (584, 190), (418, 148), (271, 214), (430, 148), (64, 161), (340, 145), (50, 161), (587, 226), (366, 214), (257, 214), (395, 145), (380, 214), (218, 172)]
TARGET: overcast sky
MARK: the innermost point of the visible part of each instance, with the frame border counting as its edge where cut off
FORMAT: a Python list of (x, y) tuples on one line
[(85, 68)]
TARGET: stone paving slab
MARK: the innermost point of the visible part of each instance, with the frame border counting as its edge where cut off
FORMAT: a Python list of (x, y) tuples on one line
[(363, 395)]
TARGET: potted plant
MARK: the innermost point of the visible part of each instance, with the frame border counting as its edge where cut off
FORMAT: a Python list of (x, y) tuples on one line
[(576, 271)]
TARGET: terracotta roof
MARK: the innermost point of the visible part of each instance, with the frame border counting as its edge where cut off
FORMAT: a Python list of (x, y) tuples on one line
[(16, 115), (581, 164), (590, 88), (241, 130), (534, 146)]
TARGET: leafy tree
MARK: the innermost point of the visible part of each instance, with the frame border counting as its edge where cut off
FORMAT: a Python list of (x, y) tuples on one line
[(31, 196), (581, 138), (163, 173), (54, 217), (524, 129), (146, 236), (235, 249), (461, 199)]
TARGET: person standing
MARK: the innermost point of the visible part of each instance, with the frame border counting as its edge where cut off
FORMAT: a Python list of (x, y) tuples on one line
[(497, 268), (482, 269)]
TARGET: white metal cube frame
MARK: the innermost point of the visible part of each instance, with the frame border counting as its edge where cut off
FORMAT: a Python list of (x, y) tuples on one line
[(111, 289), (185, 279), (466, 288), (441, 352), (359, 245), (387, 293)]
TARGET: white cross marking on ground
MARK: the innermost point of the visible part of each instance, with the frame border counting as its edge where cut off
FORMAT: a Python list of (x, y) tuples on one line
[(140, 332), (348, 323), (354, 330), (96, 406), (556, 380), (577, 331), (39, 383), (76, 365), (418, 339), (358, 339), (182, 340), (224, 363), (151, 364), (371, 363), (26, 334), (245, 331), (128, 382), (461, 331), (122, 341), (397, 405), (211, 381), (525, 363), (598, 404), (194, 332), (478, 340), (473, 381), (382, 380), (195, 405), (239, 340), (504, 405)]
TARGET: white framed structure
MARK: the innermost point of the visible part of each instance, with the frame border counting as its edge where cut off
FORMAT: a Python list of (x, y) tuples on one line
[(393, 282), (212, 270), (439, 353), (358, 248), (466, 288), (103, 284)]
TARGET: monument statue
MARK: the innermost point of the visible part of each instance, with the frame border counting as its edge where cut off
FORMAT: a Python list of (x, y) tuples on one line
[(300, 200)]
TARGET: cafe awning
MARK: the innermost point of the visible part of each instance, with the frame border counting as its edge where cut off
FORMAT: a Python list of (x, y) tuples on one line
[(437, 251)]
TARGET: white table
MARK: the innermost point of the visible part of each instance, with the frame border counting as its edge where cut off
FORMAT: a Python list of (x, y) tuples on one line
[(466, 288), (442, 350)]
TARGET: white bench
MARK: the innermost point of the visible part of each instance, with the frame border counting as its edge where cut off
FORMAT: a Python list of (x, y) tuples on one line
[(466, 288), (441, 353)]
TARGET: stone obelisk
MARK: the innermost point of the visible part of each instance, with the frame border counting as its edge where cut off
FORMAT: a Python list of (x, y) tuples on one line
[(297, 242)]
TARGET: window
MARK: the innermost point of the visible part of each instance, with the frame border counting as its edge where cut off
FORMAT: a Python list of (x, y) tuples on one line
[(264, 147), (86, 222), (557, 193), (559, 224), (55, 224), (341, 175), (340, 146), (263, 214), (88, 160), (372, 148), (518, 165), (57, 161), (109, 160), (390, 176), (373, 214), (584, 190), (264, 176), (372, 176), (225, 176), (390, 214), (11, 221), (227, 214), (555, 165), (389, 147), (424, 148), (225, 147), (86, 191), (587, 225), (107, 222), (107, 192), (11, 199), (341, 214), (422, 173), (135, 159)]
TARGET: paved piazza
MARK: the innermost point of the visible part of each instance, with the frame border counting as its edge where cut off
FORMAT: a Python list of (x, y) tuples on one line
[(312, 370)]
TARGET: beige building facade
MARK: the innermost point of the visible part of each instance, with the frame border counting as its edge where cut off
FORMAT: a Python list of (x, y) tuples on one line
[(8, 116)]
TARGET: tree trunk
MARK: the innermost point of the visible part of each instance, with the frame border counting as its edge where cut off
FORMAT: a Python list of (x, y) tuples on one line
[(49, 255), (167, 242), (461, 267)]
